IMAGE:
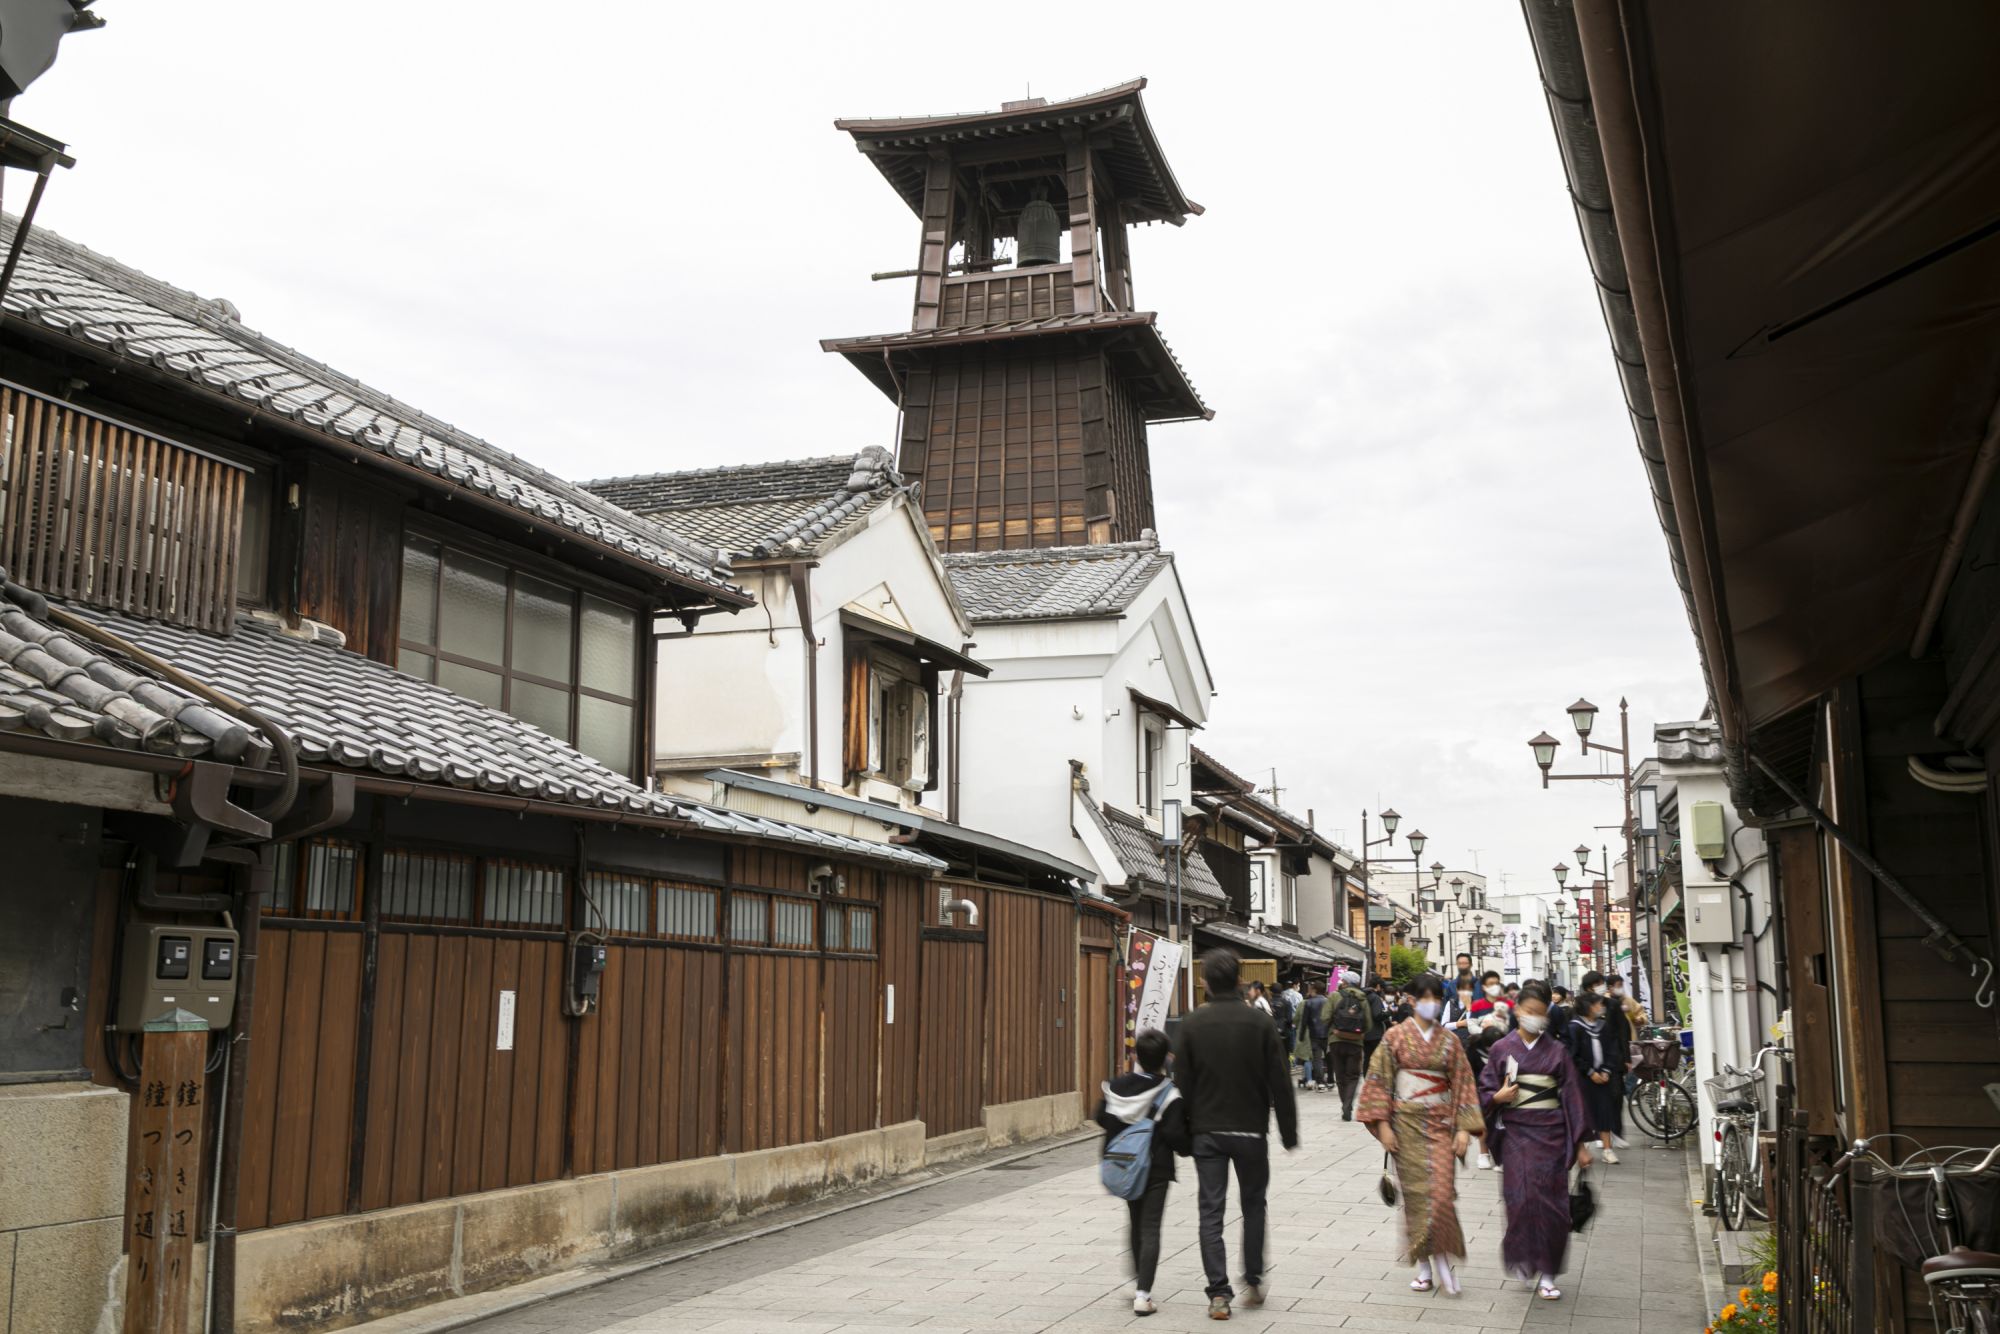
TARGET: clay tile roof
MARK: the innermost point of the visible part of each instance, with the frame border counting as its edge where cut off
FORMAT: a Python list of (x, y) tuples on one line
[(1052, 583), (342, 710), (758, 510), (1144, 857), (69, 290)]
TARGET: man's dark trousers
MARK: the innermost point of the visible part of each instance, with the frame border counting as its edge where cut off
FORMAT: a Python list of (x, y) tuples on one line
[(1213, 1157), (1346, 1059)]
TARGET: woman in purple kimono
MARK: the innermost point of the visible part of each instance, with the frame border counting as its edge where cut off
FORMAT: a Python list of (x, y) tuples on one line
[(1536, 1127)]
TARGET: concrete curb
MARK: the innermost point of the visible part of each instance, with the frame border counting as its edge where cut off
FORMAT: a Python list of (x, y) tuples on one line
[(1705, 1251), (459, 1312)]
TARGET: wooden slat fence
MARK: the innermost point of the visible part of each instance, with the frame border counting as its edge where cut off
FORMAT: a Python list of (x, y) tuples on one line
[(110, 516)]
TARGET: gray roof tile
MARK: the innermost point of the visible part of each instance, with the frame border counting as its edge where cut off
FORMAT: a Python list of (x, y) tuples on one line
[(341, 709), (1144, 857), (71, 290), (1049, 583), (759, 510)]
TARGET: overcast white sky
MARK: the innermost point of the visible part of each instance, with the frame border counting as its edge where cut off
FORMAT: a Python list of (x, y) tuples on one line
[(607, 238)]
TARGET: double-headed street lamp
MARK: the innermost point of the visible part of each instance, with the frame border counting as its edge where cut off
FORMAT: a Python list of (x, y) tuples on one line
[(1415, 838), (1453, 910), (1583, 715)]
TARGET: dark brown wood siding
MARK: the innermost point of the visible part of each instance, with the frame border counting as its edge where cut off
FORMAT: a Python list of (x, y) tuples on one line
[(1031, 955), (902, 921), (351, 559), (954, 1027), (1003, 298), (649, 1085)]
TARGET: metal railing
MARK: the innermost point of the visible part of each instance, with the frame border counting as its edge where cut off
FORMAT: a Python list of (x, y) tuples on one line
[(1826, 1266)]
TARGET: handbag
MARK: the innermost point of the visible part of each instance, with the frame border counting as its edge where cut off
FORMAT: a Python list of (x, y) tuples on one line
[(1582, 1202), (1388, 1186)]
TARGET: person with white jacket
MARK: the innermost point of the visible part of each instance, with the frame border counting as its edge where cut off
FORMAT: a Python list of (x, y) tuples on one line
[(1128, 1098)]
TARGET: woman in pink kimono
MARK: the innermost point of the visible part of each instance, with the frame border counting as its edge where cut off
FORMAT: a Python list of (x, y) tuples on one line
[(1421, 1102)]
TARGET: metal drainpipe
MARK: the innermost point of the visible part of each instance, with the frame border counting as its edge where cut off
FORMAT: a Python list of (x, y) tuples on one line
[(253, 882), (800, 573), (957, 714)]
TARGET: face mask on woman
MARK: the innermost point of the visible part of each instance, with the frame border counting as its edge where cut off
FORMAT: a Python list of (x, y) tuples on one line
[(1493, 992), (1532, 1024), (1427, 1010)]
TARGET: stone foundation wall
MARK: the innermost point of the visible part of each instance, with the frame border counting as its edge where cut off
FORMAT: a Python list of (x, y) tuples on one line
[(62, 1203)]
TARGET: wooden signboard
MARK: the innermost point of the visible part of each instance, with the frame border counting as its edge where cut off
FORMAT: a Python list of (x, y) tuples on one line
[(163, 1187), (1381, 951)]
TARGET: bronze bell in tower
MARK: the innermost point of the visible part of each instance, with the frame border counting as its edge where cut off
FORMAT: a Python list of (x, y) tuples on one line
[(1038, 235)]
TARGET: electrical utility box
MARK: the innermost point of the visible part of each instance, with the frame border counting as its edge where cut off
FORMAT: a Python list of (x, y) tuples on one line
[(1705, 832), (1712, 915), (168, 968)]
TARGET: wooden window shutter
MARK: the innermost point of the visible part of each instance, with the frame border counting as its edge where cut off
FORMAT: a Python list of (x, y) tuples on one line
[(930, 704), (854, 748)]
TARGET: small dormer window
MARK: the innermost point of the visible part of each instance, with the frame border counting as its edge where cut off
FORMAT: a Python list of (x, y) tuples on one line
[(897, 722), (1152, 761)]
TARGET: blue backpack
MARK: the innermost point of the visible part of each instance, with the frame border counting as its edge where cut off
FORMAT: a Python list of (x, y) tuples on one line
[(1128, 1158)]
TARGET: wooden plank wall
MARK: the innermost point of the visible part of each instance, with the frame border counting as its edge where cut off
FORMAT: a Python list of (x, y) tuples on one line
[(649, 1068), (953, 1026), (351, 559), (903, 899), (695, 1050), (1031, 979), (299, 1102), (1003, 452), (975, 301), (1938, 1053)]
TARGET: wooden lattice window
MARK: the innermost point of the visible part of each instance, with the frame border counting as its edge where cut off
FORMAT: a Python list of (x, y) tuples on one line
[(317, 877), (113, 517), (630, 905), (432, 887), (850, 929)]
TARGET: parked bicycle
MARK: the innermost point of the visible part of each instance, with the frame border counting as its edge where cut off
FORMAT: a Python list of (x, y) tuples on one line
[(1966, 1281), (1662, 1104), (1739, 1171)]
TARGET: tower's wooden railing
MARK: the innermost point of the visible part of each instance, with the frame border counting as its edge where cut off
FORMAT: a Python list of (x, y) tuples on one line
[(111, 516)]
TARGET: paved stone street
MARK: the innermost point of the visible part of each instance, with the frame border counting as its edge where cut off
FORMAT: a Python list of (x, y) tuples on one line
[(1038, 1245)]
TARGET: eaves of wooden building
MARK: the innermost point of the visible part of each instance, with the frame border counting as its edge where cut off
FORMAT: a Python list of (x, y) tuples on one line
[(1794, 248)]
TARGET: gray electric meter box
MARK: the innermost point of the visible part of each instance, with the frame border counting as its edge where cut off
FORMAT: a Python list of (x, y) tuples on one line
[(1705, 831), (170, 968), (1711, 915)]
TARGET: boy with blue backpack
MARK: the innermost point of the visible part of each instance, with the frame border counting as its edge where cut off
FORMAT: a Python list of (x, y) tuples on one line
[(1145, 1125)]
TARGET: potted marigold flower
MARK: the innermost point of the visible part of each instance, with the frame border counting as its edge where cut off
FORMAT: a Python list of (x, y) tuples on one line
[(1755, 1310)]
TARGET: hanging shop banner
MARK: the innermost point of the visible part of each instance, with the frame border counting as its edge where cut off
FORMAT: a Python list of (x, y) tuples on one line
[(1382, 943), (1586, 935), (1151, 969), (1510, 953)]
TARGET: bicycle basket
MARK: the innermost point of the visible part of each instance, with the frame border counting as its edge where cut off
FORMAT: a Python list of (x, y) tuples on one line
[(1721, 1088), (1905, 1228)]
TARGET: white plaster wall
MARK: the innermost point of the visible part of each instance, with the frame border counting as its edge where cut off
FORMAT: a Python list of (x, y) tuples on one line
[(1020, 733), (734, 687)]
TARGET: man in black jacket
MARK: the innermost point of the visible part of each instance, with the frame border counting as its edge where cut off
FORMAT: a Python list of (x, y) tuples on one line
[(1231, 1070), (1128, 1098)]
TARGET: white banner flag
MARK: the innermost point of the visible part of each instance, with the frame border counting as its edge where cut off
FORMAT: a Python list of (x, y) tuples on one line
[(1163, 969)]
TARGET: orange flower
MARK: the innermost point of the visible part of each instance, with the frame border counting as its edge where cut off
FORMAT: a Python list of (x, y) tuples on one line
[(1727, 1313), (1743, 1295), (1771, 1281)]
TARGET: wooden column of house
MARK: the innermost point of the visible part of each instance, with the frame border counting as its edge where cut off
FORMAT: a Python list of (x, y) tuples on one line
[(1800, 895), (935, 254), (1082, 183)]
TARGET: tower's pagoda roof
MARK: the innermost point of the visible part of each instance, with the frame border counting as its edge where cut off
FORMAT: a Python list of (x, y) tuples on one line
[(1132, 338), (900, 147)]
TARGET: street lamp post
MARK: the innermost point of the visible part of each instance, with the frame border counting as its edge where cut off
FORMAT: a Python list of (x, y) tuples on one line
[(1416, 840), (1583, 715)]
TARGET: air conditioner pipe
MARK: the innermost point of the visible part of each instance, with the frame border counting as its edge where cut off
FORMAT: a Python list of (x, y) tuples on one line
[(966, 906)]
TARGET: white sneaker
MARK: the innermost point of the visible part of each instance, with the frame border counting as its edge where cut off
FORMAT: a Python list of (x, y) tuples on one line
[(1485, 1162), (1618, 1142), (1610, 1156), (1143, 1305)]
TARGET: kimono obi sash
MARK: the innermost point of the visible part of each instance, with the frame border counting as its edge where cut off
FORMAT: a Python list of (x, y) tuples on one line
[(1422, 1088), (1538, 1094)]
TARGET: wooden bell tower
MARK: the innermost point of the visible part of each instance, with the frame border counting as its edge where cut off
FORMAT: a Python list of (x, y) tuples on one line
[(1028, 377)]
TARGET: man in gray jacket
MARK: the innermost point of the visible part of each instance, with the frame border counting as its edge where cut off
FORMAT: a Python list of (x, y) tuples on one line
[(1231, 1069)]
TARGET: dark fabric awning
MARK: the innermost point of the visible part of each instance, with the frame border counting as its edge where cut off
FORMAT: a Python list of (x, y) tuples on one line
[(927, 651)]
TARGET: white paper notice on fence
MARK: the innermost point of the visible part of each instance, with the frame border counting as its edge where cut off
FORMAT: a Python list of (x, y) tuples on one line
[(1163, 969), (890, 990), (506, 1037)]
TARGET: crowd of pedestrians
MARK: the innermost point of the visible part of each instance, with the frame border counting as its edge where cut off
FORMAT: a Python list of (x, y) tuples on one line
[(1530, 1073)]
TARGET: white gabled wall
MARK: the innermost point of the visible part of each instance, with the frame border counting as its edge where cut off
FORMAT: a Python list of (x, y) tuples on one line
[(748, 671), (1061, 691)]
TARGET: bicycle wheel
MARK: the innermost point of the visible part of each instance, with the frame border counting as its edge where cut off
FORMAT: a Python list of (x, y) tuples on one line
[(1732, 1171), (1664, 1109)]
